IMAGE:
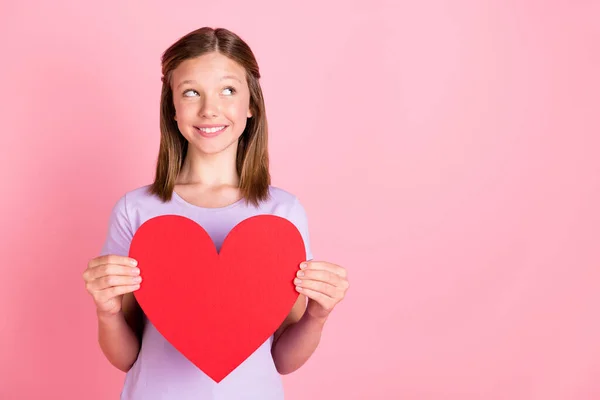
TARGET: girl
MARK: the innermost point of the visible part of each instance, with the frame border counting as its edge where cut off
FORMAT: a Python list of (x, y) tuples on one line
[(212, 168)]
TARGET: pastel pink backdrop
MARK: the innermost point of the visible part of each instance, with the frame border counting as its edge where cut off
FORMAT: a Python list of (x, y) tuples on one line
[(446, 153)]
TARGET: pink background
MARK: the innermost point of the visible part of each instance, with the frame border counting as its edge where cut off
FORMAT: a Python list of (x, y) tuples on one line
[(446, 153)]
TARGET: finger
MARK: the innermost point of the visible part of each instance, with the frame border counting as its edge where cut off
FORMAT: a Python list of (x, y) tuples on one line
[(324, 301), (320, 275), (110, 269), (112, 281), (325, 266), (107, 294), (112, 259), (317, 286)]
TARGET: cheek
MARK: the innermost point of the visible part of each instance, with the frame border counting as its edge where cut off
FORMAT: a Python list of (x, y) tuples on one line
[(238, 107), (185, 110), (236, 111)]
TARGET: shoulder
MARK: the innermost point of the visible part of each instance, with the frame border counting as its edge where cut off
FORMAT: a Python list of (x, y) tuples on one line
[(136, 198), (282, 199), (134, 206), (280, 195), (140, 194), (289, 206), (121, 226), (128, 212), (286, 204)]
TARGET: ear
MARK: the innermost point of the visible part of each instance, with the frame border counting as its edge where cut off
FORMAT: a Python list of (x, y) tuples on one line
[(249, 113)]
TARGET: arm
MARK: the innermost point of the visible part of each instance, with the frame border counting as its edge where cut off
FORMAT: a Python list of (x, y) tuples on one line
[(119, 335), (297, 338), (325, 285), (321, 286)]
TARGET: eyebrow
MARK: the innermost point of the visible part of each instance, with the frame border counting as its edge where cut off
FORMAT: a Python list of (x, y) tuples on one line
[(223, 78)]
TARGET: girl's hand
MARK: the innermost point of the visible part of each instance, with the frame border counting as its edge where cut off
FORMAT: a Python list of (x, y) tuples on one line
[(107, 279), (324, 284)]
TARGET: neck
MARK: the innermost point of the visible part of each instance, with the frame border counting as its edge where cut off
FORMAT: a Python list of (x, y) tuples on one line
[(209, 169)]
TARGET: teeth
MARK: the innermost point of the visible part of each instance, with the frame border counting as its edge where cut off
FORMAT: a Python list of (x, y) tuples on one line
[(212, 130)]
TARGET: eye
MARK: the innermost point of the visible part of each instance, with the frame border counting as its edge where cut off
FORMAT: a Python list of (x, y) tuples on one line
[(189, 91), (232, 90)]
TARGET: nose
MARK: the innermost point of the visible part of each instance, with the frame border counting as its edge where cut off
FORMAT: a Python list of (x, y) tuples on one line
[(210, 107)]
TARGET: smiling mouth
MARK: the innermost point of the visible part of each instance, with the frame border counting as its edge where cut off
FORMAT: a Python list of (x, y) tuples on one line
[(211, 131)]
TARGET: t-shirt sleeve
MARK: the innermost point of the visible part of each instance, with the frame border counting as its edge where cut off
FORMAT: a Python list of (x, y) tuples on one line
[(120, 232), (299, 219)]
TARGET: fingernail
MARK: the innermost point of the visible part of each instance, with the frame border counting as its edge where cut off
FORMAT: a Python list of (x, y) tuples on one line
[(137, 279), (298, 288), (300, 273), (303, 265), (133, 262), (297, 281)]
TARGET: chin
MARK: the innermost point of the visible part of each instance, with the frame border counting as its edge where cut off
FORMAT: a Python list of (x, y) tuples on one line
[(216, 148)]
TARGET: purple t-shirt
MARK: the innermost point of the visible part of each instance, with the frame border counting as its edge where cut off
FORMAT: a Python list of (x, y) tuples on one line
[(161, 371)]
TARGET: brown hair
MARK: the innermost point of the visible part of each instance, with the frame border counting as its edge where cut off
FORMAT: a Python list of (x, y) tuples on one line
[(252, 156)]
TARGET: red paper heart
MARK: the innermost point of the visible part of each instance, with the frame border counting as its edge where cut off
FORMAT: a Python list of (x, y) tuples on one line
[(217, 308)]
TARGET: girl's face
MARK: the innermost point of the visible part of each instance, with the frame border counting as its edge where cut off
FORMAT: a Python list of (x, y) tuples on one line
[(212, 102)]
